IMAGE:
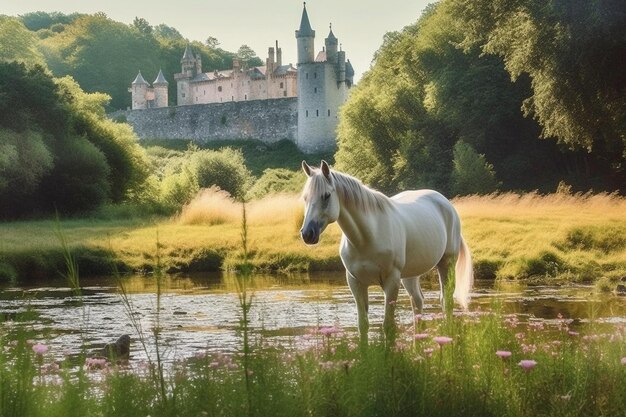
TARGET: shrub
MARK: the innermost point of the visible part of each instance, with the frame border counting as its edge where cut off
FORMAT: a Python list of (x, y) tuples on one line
[(471, 173), (277, 181), (225, 168), (79, 180)]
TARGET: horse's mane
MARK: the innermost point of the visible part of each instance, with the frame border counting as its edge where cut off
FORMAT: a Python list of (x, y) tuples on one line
[(351, 192)]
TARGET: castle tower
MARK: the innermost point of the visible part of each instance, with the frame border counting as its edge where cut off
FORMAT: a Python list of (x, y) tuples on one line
[(139, 91), (160, 91), (190, 68), (322, 89), (331, 43), (306, 37)]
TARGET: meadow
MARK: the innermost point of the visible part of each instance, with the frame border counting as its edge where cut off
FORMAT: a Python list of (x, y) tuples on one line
[(579, 237)]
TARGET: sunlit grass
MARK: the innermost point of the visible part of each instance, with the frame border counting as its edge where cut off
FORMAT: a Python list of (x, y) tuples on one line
[(575, 237)]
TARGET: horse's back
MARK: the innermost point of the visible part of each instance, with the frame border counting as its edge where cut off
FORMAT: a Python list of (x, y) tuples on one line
[(431, 221)]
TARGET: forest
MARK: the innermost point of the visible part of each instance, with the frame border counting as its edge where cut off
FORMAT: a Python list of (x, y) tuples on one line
[(474, 97)]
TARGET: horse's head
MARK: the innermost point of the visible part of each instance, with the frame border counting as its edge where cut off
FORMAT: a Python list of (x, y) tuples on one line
[(321, 204)]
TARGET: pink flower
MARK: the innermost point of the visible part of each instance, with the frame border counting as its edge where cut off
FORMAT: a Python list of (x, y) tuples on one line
[(527, 364), (328, 331), (504, 354), (95, 363), (40, 349), (572, 333), (428, 351), (421, 336), (442, 340), (624, 360)]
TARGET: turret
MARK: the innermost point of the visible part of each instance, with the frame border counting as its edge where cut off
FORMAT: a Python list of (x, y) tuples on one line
[(341, 67), (160, 91), (188, 63), (139, 90), (306, 37), (198, 64), (331, 46)]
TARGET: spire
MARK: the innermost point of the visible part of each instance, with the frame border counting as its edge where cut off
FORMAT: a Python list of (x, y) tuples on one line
[(331, 35), (188, 55), (139, 80), (305, 26), (160, 79)]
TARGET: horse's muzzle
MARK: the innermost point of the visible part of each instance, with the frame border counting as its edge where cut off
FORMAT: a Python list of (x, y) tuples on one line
[(311, 233)]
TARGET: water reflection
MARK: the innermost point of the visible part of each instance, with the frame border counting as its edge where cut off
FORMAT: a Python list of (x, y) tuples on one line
[(201, 312)]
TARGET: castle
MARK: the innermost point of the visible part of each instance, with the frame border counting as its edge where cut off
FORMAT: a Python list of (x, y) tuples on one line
[(320, 84)]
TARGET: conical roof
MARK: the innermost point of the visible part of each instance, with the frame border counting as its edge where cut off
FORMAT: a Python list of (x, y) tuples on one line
[(139, 79), (305, 26), (160, 79), (349, 69), (331, 36), (188, 55)]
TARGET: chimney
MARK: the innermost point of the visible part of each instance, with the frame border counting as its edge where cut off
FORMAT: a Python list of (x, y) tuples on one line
[(279, 56)]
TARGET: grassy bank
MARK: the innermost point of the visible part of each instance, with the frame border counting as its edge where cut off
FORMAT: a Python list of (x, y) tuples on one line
[(580, 238), (466, 365)]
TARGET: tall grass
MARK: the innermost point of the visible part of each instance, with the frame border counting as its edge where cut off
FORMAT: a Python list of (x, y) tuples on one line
[(564, 236)]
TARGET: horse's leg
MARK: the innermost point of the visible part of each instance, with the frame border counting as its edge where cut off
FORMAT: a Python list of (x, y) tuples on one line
[(442, 270), (359, 292), (391, 288), (412, 286)]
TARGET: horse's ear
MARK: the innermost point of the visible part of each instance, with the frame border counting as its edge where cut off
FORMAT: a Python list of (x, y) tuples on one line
[(306, 168), (325, 170)]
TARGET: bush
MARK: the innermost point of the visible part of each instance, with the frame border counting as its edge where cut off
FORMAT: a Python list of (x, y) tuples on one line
[(79, 180), (277, 181), (225, 169), (471, 173)]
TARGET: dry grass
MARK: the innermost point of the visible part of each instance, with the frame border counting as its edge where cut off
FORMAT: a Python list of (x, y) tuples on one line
[(578, 237)]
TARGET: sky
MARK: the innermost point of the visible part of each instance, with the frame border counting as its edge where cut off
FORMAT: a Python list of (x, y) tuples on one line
[(358, 24)]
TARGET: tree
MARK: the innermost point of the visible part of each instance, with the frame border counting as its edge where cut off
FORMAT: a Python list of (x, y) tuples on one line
[(142, 26), (18, 44), (212, 42), (471, 173), (248, 57)]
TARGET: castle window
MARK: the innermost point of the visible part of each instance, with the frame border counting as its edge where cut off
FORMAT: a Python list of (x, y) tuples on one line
[(219, 88), (285, 93), (245, 97), (317, 113), (307, 75), (315, 90), (183, 95), (307, 113), (281, 85), (232, 98), (315, 75), (328, 112)]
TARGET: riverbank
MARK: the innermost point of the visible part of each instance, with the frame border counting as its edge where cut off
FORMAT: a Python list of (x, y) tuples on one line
[(577, 238)]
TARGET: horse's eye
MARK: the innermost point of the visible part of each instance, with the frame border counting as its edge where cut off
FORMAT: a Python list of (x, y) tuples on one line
[(325, 197)]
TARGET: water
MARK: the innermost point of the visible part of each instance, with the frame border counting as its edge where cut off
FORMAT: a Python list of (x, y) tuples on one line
[(202, 314)]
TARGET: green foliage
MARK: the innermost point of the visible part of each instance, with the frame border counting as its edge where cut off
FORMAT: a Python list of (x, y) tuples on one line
[(572, 51), (277, 180), (464, 71), (79, 181), (59, 151), (471, 174), (36, 21), (225, 168), (18, 44)]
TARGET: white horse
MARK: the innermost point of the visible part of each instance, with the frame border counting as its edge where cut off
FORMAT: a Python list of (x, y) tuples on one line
[(387, 241)]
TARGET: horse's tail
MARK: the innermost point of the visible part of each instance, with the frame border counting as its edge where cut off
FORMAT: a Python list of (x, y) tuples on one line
[(464, 275)]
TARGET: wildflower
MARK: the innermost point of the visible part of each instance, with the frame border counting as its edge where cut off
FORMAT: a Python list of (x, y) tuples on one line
[(329, 331), (527, 364), (421, 336), (95, 363), (40, 349), (428, 352), (624, 360), (572, 333), (504, 354), (442, 340)]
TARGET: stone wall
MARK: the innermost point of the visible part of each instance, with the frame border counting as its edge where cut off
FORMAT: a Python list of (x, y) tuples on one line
[(265, 120)]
